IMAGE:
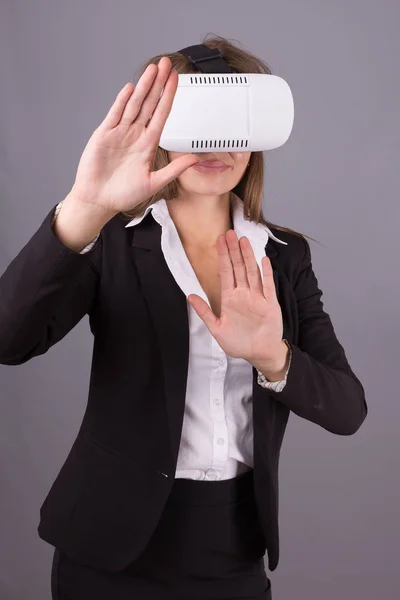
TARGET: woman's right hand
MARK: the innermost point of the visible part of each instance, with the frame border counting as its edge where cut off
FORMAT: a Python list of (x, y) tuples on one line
[(115, 171)]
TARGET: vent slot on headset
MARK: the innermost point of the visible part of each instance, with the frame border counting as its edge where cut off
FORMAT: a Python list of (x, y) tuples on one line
[(217, 143), (226, 79)]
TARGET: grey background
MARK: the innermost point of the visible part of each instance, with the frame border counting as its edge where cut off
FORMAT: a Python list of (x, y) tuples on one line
[(336, 179)]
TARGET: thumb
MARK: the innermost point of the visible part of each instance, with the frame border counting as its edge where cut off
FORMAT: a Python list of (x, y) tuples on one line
[(204, 311), (174, 169)]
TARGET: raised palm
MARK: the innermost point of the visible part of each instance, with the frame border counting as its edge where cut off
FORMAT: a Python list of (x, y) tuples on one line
[(115, 171)]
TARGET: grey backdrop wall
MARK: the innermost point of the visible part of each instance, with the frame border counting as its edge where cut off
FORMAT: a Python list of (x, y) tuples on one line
[(336, 179)]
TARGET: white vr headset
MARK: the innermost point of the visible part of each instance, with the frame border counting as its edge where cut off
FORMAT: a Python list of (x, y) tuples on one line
[(220, 110)]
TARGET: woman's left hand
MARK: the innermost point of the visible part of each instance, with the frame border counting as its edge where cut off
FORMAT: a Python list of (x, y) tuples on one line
[(250, 325)]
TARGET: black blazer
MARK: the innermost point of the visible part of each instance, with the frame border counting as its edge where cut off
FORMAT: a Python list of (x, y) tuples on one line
[(108, 496)]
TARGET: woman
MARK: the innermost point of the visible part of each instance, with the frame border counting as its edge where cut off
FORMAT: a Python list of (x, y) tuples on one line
[(170, 489)]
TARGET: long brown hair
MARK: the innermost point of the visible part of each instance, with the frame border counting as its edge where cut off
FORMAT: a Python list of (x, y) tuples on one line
[(251, 186)]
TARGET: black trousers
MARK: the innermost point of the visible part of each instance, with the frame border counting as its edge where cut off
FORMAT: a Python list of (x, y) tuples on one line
[(207, 544)]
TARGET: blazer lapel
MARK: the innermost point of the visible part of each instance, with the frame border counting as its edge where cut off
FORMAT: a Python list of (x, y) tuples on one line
[(168, 310)]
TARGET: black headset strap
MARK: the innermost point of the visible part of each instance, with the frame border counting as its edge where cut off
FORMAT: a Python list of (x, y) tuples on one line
[(205, 59)]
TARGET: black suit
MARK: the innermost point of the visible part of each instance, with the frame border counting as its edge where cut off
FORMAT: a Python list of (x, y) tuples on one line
[(107, 499)]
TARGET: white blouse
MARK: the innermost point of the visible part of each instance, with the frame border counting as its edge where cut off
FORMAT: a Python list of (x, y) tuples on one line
[(217, 432)]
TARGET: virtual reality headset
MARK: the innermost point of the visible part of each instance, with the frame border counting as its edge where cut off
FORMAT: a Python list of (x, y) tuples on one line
[(219, 110)]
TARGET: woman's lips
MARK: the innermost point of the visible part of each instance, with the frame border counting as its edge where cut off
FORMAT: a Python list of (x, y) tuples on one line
[(211, 166)]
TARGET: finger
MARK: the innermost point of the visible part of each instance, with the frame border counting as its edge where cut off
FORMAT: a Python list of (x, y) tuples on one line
[(175, 168), (204, 312), (239, 267), (143, 87), (153, 97), (163, 108), (225, 265), (269, 290), (253, 271), (114, 114)]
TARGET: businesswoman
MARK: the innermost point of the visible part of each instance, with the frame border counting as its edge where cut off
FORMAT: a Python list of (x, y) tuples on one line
[(208, 330)]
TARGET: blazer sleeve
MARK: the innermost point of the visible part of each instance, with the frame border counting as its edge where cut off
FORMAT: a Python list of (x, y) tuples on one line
[(321, 386), (44, 292), (86, 248)]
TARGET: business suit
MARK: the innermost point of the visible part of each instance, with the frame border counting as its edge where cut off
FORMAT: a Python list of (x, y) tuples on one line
[(93, 511)]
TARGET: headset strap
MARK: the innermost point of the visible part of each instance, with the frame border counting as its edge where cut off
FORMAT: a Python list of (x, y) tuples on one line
[(205, 59)]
